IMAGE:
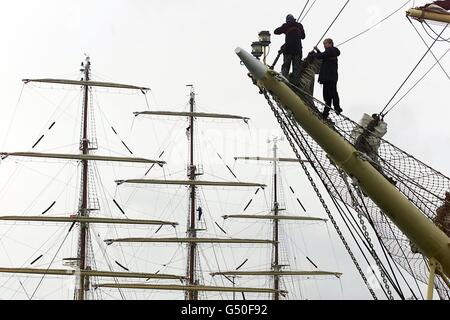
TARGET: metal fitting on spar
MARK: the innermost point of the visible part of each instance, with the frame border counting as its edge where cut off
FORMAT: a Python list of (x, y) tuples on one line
[(256, 68)]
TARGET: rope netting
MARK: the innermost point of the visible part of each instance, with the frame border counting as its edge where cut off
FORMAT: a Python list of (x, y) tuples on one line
[(421, 184)]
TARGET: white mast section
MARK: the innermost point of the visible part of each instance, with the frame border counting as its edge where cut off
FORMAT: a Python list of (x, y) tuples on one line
[(273, 217), (87, 83), (85, 219), (192, 182), (191, 114), (188, 240), (184, 288), (92, 273), (277, 273), (271, 159), (90, 157)]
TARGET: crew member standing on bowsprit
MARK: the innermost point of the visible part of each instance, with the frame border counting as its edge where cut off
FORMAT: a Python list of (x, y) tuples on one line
[(292, 48), (328, 76)]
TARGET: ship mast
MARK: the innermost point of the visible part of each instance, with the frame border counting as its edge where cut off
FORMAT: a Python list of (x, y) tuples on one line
[(276, 208), (83, 210), (83, 219), (192, 232), (276, 271)]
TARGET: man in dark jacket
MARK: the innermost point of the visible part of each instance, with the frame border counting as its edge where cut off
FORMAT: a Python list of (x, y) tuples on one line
[(328, 76), (292, 48)]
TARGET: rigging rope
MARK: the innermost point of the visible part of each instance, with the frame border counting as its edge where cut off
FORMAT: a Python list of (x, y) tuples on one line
[(332, 23), (410, 74), (51, 262), (312, 5), (13, 117), (418, 81), (373, 26), (441, 39), (303, 10), (434, 56)]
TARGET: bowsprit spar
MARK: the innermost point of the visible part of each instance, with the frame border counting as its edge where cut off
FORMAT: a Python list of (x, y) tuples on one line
[(394, 192)]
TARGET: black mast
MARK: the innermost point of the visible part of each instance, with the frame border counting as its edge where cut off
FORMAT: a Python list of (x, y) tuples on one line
[(192, 232), (276, 209), (83, 210)]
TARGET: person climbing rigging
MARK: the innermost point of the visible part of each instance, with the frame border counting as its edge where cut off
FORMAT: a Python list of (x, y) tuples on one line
[(442, 219), (200, 213), (328, 76), (292, 48)]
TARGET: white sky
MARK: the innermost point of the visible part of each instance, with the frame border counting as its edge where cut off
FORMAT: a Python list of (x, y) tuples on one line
[(167, 44)]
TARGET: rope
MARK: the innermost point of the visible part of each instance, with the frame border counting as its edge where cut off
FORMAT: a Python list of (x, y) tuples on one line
[(375, 25), (332, 23), (441, 39), (312, 5), (418, 81), (51, 262), (423, 40), (303, 10), (13, 117), (410, 74)]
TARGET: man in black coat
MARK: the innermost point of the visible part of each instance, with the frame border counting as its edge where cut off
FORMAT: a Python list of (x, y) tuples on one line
[(328, 76), (292, 48)]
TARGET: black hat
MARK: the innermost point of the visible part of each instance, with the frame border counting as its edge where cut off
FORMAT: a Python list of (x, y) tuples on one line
[(290, 18)]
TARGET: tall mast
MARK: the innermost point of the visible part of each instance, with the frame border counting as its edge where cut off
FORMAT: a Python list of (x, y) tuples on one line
[(87, 199), (276, 210), (83, 210), (192, 232)]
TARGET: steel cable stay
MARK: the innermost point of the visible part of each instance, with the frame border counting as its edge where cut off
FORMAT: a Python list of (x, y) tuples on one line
[(440, 38), (362, 211), (384, 249), (53, 259), (407, 261), (383, 113), (420, 79), (303, 10), (307, 11), (386, 252), (434, 56), (100, 244), (373, 26), (36, 251), (332, 23), (366, 241)]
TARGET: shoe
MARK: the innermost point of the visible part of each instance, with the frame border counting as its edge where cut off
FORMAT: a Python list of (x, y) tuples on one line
[(338, 110)]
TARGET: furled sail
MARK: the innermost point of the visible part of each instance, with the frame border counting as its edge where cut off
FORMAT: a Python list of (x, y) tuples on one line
[(438, 11), (88, 83)]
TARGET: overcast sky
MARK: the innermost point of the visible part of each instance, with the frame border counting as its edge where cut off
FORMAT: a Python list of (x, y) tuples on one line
[(167, 44)]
